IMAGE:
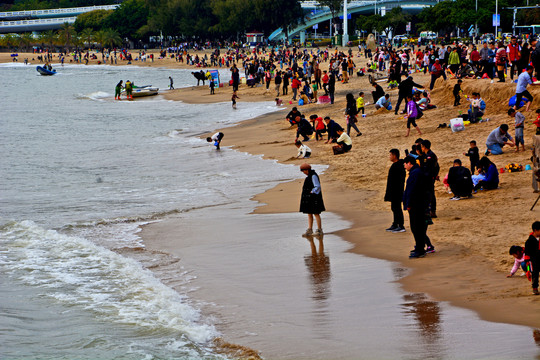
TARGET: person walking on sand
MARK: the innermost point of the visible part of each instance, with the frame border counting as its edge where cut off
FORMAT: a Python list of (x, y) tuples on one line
[(311, 202), (171, 87), (233, 99)]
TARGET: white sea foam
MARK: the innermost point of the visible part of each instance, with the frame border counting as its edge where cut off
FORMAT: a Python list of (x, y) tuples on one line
[(78, 273)]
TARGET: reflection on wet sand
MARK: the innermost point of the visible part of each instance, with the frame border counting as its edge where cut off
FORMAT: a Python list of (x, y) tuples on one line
[(428, 317), (318, 264)]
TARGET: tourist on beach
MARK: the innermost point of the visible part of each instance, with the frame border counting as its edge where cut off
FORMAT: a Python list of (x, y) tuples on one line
[(415, 201), (304, 128), (405, 90), (212, 86), (377, 93), (277, 82), (331, 86), (332, 128), (497, 139), (518, 253), (311, 202), (295, 85), (171, 82), (216, 138), (519, 125), (429, 164), (118, 90), (394, 191), (343, 143), (304, 151), (360, 104), (233, 99), (457, 92), (532, 255), (436, 72), (412, 113), (235, 76), (351, 112), (384, 102), (491, 175), (460, 181), (473, 155), (524, 79), (292, 116), (477, 107)]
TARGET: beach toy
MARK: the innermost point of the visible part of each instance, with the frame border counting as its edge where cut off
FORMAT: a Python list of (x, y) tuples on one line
[(527, 167), (300, 102), (220, 84), (466, 123), (290, 102), (364, 115), (216, 143), (501, 170)]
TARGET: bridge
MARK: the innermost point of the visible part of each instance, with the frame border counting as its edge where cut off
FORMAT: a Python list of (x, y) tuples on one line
[(319, 15), (40, 20)]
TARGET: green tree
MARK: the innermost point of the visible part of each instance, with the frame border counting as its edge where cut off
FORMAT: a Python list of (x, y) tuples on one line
[(87, 35), (129, 18), (95, 20), (66, 35), (372, 23), (396, 19), (25, 40), (111, 38), (48, 38)]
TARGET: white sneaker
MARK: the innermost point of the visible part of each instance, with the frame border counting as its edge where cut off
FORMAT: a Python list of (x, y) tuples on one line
[(492, 81), (455, 198)]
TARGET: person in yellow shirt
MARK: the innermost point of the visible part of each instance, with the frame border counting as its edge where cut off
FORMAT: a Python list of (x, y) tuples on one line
[(360, 102)]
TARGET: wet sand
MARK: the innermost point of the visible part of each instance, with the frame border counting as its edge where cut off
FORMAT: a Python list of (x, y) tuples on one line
[(472, 237)]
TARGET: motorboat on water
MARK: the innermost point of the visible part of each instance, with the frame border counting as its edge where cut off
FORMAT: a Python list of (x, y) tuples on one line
[(44, 71), (140, 91)]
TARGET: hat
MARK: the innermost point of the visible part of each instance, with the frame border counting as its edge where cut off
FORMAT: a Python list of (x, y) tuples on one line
[(305, 166)]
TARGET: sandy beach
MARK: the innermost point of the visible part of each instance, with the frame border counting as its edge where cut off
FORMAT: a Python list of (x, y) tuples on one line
[(472, 237)]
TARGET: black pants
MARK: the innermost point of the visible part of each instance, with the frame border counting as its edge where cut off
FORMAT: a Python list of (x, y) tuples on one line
[(534, 274), (457, 99), (395, 206), (525, 94), (417, 219), (433, 201), (399, 100)]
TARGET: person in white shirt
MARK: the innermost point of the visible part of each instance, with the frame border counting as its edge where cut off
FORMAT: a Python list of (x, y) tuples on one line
[(304, 151), (216, 138)]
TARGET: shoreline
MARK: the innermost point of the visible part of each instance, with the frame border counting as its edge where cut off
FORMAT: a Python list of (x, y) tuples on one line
[(471, 261)]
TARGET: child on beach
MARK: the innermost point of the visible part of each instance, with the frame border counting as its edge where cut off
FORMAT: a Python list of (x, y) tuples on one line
[(477, 107), (473, 155), (519, 124), (304, 151), (537, 122), (279, 102), (216, 138), (318, 125), (457, 92), (519, 259), (412, 112), (360, 102), (233, 99)]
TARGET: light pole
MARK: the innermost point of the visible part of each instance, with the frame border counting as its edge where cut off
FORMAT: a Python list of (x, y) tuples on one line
[(345, 39)]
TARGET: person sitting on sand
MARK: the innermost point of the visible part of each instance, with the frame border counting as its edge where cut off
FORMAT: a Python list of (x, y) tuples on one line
[(518, 253), (425, 102), (491, 179), (477, 107), (304, 151), (344, 143), (459, 180), (497, 139), (384, 102)]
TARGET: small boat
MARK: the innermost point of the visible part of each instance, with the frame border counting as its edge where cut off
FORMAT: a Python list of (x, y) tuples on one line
[(140, 91), (45, 72)]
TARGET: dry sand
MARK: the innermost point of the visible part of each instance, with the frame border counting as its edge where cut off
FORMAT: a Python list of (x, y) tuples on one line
[(472, 237)]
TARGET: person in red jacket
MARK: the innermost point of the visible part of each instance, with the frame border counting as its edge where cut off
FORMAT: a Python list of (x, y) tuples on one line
[(295, 85), (475, 58), (513, 53)]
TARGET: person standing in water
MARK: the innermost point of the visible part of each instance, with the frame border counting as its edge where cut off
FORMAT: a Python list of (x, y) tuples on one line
[(311, 202), (118, 90), (129, 90)]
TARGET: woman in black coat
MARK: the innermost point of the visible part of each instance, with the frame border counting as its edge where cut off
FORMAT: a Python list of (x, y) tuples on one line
[(311, 202)]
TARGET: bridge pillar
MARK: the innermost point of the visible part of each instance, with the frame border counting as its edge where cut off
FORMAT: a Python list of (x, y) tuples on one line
[(303, 37)]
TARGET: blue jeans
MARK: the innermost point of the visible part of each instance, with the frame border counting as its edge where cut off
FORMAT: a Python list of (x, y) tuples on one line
[(519, 136), (495, 149)]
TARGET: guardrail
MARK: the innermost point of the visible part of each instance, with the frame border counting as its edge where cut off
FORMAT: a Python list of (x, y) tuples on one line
[(53, 21), (38, 13)]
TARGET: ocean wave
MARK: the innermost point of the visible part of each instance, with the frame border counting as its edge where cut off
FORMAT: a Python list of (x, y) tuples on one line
[(76, 272), (98, 95)]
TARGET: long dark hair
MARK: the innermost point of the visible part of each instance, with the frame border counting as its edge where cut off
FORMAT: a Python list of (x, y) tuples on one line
[(350, 98), (485, 163)]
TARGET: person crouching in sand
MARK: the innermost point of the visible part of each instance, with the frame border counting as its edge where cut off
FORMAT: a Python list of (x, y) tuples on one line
[(311, 202)]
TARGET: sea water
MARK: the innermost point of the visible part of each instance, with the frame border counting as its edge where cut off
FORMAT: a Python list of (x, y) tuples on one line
[(81, 173)]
